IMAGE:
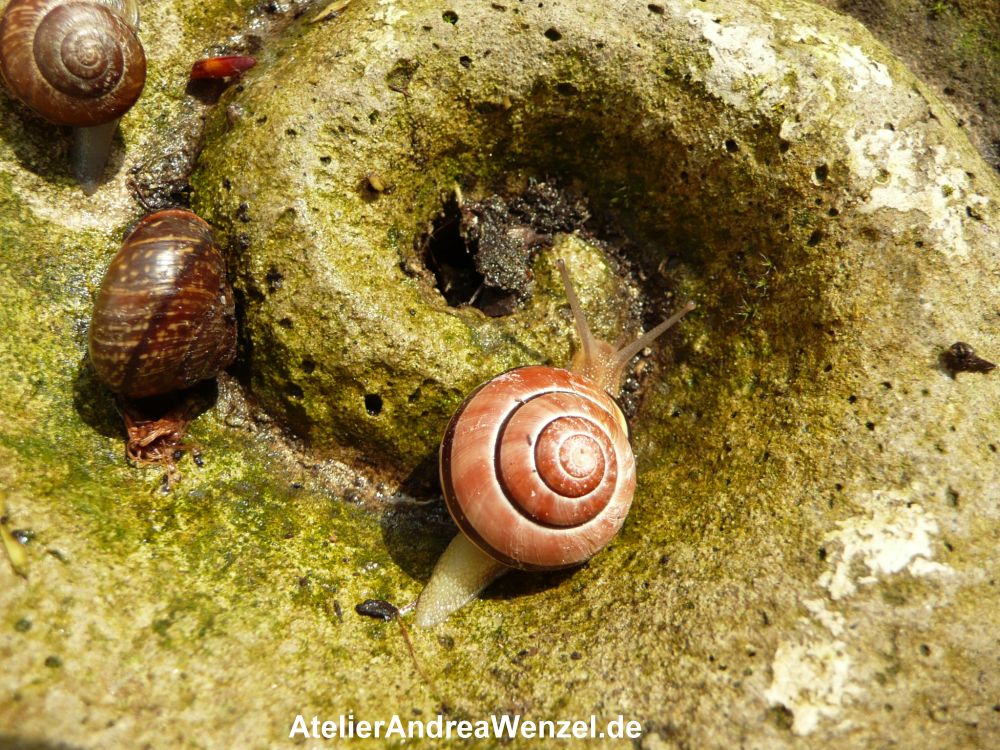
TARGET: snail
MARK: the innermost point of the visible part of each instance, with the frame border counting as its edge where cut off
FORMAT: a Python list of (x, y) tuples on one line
[(536, 469), (75, 63), (163, 321)]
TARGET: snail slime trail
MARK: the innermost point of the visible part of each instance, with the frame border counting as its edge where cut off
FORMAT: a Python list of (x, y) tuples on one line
[(536, 469), (78, 64), (164, 321)]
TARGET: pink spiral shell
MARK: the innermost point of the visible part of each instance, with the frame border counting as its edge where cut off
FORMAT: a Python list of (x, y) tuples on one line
[(537, 469)]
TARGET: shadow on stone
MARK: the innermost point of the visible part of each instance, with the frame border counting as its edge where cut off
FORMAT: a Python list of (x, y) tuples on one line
[(12, 742), (94, 402), (416, 535), (97, 406), (45, 149)]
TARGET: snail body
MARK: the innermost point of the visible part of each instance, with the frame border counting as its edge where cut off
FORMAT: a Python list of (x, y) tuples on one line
[(536, 470), (77, 63), (165, 317)]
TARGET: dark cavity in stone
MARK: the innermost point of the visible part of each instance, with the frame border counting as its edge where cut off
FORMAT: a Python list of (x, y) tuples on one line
[(481, 252)]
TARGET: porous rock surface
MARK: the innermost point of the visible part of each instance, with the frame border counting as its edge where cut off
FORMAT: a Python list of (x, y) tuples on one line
[(810, 560)]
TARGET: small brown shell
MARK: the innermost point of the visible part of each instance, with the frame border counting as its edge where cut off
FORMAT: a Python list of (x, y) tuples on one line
[(164, 318), (74, 63), (537, 469)]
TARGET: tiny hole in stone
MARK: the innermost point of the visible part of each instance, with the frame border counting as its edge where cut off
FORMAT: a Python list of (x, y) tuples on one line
[(553, 35), (373, 404), (275, 279)]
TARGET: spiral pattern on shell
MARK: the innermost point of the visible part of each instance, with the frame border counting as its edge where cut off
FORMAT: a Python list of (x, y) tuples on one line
[(74, 63), (164, 318), (537, 469)]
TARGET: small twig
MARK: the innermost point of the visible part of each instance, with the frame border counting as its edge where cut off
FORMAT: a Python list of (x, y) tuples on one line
[(385, 611), (15, 550), (332, 10)]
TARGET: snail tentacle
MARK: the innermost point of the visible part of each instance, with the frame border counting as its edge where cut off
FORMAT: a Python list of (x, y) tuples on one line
[(626, 353)]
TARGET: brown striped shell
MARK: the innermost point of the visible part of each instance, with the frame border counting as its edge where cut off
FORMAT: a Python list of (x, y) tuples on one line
[(537, 469), (75, 63), (164, 318)]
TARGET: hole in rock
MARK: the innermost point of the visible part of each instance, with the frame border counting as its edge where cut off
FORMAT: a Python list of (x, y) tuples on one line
[(373, 404), (481, 251), (274, 279)]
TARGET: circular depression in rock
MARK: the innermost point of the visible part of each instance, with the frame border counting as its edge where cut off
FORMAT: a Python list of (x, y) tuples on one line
[(712, 203)]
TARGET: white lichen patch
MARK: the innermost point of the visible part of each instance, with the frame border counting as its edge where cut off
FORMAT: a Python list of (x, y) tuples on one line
[(819, 97), (908, 176), (832, 621), (390, 12), (811, 675), (891, 540), (744, 63), (384, 38), (865, 71), (812, 680), (861, 70)]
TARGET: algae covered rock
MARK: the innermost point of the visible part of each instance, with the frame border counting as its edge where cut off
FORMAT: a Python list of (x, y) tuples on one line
[(809, 558), (771, 161)]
